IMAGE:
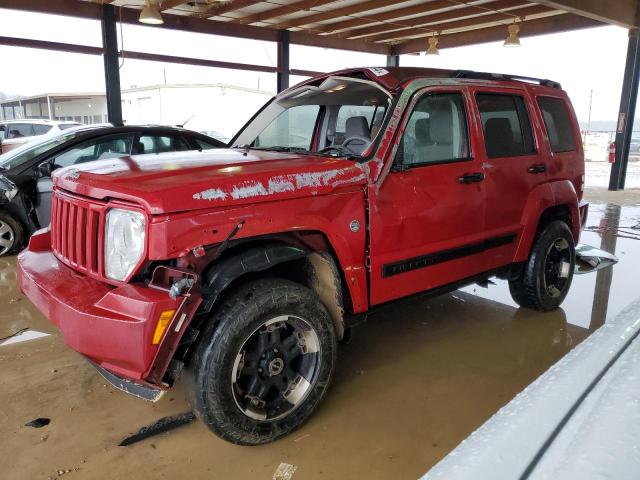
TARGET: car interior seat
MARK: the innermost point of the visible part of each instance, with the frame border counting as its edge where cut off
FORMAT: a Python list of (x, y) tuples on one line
[(357, 127), (499, 137)]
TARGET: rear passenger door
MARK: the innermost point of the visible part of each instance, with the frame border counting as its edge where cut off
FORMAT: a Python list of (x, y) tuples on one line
[(511, 163)]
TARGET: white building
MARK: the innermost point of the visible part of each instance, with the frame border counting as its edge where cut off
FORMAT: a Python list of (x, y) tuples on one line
[(210, 108), (219, 109), (84, 108)]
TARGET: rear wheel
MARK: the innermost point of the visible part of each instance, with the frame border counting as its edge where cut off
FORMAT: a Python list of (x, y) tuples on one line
[(264, 362), (11, 234), (546, 277)]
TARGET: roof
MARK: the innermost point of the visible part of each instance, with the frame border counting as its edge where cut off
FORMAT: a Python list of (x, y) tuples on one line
[(377, 26), (40, 121), (393, 77)]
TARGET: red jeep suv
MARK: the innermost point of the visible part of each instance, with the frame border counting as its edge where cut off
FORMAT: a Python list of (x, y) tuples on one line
[(246, 265)]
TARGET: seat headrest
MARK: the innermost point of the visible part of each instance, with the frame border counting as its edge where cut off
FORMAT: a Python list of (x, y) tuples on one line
[(441, 121), (357, 127), (423, 130), (498, 136)]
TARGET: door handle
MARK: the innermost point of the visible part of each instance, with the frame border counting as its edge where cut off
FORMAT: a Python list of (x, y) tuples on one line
[(471, 177), (537, 168)]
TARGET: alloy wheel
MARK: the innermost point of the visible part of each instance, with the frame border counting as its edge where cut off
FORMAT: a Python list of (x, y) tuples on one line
[(276, 368), (7, 237), (557, 267)]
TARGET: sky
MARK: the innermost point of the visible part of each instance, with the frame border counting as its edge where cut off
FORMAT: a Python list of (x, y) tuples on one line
[(582, 61)]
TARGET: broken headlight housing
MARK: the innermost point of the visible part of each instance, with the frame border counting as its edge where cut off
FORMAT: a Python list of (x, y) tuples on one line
[(124, 242)]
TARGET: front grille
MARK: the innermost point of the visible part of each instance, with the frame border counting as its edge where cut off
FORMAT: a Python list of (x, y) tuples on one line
[(75, 232)]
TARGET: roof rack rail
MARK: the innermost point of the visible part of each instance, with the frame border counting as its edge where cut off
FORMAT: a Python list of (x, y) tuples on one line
[(502, 76)]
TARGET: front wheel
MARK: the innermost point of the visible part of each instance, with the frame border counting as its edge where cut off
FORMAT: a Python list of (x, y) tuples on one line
[(546, 277), (264, 362)]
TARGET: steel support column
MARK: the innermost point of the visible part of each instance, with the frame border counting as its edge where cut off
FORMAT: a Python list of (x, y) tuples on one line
[(393, 60), (283, 60), (627, 112), (111, 64)]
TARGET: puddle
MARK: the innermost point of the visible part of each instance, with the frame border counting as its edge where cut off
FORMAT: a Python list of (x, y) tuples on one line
[(23, 337), (413, 383)]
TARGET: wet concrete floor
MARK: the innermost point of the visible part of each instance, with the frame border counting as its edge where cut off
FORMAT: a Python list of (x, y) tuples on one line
[(416, 379)]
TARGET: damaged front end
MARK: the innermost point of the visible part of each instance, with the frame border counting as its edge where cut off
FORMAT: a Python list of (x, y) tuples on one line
[(130, 331)]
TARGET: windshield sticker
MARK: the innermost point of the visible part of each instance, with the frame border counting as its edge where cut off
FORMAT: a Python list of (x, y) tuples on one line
[(379, 72)]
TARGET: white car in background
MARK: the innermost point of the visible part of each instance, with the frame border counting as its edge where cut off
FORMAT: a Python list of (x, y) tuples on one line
[(14, 133)]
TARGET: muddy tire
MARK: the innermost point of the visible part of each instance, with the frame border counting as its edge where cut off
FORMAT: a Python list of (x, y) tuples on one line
[(264, 362), (546, 277), (11, 235)]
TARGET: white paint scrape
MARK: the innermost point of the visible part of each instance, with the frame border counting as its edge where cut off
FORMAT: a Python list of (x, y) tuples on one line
[(211, 194), (283, 183)]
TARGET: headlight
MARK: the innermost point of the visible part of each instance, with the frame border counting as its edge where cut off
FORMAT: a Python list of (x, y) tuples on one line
[(124, 242)]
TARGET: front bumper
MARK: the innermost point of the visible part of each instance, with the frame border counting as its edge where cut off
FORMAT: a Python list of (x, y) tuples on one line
[(112, 326)]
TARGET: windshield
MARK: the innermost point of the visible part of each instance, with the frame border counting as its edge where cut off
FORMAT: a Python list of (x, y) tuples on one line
[(19, 156), (341, 116)]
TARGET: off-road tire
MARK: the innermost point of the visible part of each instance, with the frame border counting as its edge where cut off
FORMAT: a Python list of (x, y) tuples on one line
[(209, 374), (17, 231), (528, 290)]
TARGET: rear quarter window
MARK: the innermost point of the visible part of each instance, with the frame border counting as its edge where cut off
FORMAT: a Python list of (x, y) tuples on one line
[(558, 123)]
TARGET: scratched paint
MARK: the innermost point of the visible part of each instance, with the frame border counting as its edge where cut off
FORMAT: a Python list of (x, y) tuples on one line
[(211, 194), (288, 183)]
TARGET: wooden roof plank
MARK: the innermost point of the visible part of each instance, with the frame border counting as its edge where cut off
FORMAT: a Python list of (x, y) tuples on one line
[(283, 10), (423, 8), (543, 26), (428, 30), (336, 13), (432, 18)]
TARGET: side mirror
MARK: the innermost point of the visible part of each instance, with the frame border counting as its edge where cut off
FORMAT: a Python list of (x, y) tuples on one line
[(45, 169)]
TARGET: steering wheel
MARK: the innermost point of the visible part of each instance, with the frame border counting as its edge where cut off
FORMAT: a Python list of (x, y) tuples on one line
[(337, 148), (354, 138)]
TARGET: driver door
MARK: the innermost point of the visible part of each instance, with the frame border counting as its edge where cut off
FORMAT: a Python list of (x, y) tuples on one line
[(427, 219), (111, 146)]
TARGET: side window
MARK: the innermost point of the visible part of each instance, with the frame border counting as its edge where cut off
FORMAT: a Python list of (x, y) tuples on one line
[(294, 127), (204, 145), (41, 129), (161, 144), (506, 125), (97, 149), (436, 131), (19, 130), (559, 128)]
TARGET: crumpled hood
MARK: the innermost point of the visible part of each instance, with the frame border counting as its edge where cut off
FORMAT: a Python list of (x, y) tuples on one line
[(184, 181)]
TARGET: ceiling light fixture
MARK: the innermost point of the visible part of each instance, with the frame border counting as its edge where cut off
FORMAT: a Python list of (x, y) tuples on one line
[(150, 14), (433, 46), (512, 39)]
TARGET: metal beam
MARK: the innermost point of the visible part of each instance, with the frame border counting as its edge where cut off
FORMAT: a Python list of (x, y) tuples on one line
[(543, 26), (618, 12), (80, 9), (627, 112), (283, 61), (46, 45), (111, 64), (393, 60)]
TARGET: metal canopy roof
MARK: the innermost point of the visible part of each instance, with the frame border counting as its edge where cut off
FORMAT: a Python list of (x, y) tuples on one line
[(376, 26)]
